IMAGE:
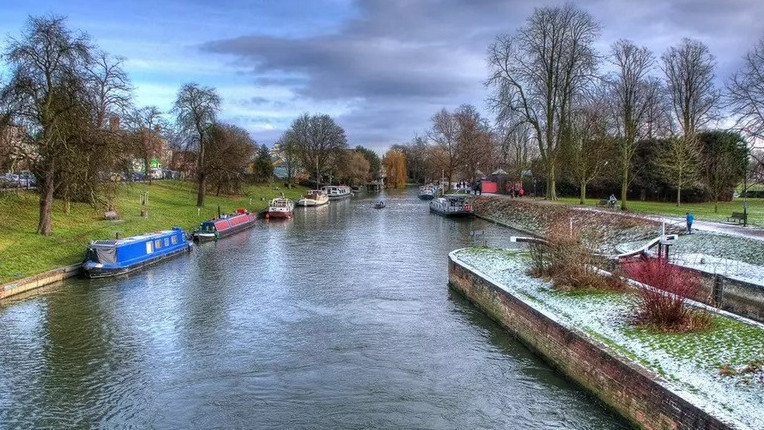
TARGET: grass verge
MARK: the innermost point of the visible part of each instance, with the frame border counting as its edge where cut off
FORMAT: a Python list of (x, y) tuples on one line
[(170, 203)]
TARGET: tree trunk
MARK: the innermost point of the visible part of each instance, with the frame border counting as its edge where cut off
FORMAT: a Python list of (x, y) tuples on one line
[(582, 196), (678, 194), (146, 167), (624, 188), (45, 225), (202, 190)]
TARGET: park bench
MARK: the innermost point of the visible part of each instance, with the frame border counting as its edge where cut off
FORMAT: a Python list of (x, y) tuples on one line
[(738, 217), (606, 203), (602, 202)]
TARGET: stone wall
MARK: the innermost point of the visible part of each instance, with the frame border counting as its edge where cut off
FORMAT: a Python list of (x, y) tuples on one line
[(630, 389), (37, 281)]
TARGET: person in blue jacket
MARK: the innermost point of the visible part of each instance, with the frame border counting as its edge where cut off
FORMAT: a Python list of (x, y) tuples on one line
[(690, 218)]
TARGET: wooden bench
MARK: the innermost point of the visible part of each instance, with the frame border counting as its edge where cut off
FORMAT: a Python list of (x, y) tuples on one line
[(738, 217), (603, 202)]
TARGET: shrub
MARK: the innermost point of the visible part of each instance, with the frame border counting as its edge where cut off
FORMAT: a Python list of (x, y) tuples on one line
[(568, 261), (663, 307)]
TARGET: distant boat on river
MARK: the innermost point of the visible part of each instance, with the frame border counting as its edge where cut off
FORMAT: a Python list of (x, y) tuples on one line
[(452, 205), (313, 198), (428, 192), (337, 192), (226, 225), (114, 257)]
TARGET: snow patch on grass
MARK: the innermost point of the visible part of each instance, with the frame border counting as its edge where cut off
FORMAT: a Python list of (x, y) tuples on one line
[(688, 363)]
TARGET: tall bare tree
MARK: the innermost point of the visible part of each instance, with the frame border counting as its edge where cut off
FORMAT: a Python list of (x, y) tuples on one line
[(475, 146), (538, 71), (445, 135), (589, 147), (196, 110), (47, 87), (689, 70), (633, 97), (110, 89), (319, 142), (146, 126), (745, 92)]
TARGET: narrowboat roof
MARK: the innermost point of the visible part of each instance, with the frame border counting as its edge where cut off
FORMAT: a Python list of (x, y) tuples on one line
[(131, 239)]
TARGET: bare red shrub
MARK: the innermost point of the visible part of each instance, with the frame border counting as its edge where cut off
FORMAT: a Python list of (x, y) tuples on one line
[(663, 306)]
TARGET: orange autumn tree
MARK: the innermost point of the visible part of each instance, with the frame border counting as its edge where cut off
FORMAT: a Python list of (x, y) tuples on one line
[(395, 165)]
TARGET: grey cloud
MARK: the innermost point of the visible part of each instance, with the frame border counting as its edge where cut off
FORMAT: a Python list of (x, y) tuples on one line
[(400, 61)]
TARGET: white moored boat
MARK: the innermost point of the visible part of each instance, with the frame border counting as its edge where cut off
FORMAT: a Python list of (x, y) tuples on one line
[(280, 207), (313, 198), (336, 192)]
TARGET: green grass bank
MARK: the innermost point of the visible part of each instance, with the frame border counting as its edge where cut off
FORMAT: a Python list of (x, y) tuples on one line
[(170, 203)]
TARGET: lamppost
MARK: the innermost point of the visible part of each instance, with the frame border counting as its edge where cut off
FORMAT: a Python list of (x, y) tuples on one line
[(745, 195)]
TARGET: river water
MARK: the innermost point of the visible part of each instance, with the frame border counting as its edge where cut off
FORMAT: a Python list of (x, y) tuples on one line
[(339, 318)]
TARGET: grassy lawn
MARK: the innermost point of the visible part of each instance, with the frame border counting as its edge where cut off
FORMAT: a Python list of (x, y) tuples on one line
[(702, 211), (24, 253)]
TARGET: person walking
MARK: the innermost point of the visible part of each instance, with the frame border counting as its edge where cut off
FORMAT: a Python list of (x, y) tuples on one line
[(690, 218)]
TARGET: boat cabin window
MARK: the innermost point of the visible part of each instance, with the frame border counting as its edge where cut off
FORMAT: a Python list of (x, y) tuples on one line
[(149, 248), (157, 244), (167, 241), (174, 240)]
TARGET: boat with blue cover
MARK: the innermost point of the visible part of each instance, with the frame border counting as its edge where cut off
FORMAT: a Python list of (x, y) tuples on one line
[(113, 257)]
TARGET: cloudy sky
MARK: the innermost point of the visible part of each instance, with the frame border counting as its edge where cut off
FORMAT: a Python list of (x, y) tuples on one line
[(380, 68)]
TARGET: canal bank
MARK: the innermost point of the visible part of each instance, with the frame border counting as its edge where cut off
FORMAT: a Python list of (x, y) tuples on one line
[(588, 339), (274, 328), (40, 280)]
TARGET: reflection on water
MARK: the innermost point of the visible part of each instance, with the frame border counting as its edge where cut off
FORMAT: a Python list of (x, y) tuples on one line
[(337, 318)]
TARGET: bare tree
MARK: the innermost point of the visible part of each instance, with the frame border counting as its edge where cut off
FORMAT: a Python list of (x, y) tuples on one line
[(515, 146), (689, 71), (229, 152), (538, 71), (589, 144), (289, 155), (746, 92), (319, 142), (474, 143), (196, 110), (678, 163), (634, 96), (47, 86), (110, 88), (146, 126), (445, 134)]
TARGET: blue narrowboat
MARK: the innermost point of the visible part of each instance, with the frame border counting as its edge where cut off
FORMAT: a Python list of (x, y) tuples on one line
[(119, 256)]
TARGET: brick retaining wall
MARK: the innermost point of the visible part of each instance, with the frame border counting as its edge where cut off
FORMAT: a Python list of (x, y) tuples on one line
[(630, 389)]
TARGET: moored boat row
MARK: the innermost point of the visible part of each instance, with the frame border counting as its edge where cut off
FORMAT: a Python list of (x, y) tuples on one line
[(113, 257)]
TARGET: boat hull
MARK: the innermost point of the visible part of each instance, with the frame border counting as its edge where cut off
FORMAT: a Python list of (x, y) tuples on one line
[(452, 214), (279, 214)]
